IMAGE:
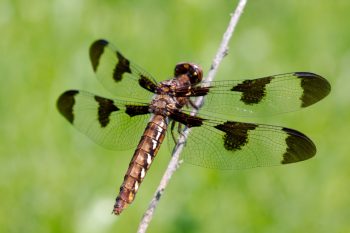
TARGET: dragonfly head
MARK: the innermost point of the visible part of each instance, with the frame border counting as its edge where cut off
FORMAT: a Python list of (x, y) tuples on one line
[(193, 71)]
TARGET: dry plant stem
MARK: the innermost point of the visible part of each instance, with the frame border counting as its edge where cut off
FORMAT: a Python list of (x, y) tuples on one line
[(174, 162)]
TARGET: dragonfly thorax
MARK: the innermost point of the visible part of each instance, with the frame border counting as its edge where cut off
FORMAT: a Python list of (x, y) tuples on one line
[(161, 104)]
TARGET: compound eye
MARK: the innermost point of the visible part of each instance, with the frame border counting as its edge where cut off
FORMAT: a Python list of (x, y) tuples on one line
[(194, 72), (181, 68)]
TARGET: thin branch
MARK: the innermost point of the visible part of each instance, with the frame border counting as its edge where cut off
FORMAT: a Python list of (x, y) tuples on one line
[(175, 162)]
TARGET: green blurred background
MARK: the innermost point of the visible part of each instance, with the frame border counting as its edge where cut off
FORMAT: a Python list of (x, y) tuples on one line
[(54, 179)]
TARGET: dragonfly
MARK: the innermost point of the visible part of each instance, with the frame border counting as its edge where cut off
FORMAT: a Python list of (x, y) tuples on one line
[(146, 109)]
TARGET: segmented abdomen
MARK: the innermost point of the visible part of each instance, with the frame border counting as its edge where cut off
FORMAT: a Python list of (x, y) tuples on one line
[(142, 159)]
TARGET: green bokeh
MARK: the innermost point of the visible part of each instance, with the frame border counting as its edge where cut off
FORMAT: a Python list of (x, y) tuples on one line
[(54, 179)]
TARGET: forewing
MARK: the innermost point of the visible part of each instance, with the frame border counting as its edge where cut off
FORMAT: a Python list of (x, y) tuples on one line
[(268, 95), (113, 124), (238, 145), (118, 75)]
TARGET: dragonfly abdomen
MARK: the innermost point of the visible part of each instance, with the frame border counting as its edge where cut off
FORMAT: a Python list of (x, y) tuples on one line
[(141, 161)]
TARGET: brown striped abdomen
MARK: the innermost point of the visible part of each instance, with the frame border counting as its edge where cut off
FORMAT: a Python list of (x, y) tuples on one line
[(141, 161)]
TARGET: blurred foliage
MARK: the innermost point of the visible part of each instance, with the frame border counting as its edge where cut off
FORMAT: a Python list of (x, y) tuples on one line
[(53, 179)]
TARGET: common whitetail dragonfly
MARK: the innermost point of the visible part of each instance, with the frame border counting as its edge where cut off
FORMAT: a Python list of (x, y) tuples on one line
[(145, 108)]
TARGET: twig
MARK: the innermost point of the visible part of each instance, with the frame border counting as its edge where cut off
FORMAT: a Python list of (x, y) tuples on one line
[(175, 162)]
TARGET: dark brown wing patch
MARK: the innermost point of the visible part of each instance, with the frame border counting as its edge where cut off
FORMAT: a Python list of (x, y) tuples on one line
[(147, 83), (186, 119), (105, 109), (65, 104), (253, 91), (134, 110), (236, 134), (314, 88), (96, 50), (300, 147), (122, 67)]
